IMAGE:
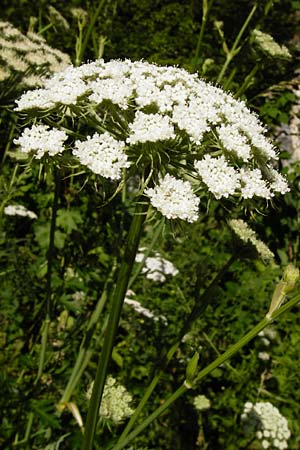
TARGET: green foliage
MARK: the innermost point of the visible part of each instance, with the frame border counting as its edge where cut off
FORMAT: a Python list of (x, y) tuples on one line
[(89, 235)]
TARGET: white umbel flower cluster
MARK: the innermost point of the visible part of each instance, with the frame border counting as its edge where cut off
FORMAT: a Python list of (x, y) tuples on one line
[(174, 199), (220, 178), (102, 154), (19, 210), (246, 234), (269, 426), (156, 267), (28, 57), (150, 128), (116, 401), (163, 119), (39, 140), (140, 309)]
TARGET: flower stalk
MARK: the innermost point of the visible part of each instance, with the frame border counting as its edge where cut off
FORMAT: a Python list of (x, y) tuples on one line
[(118, 296), (206, 5), (50, 257), (230, 54), (206, 371)]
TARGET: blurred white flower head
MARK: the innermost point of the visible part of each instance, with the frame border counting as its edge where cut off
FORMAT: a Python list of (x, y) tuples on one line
[(156, 267), (19, 210), (264, 420), (116, 401), (201, 403)]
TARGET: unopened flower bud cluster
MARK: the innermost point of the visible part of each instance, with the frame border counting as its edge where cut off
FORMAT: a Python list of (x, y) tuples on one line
[(246, 234), (194, 137), (27, 56), (269, 46), (265, 421), (201, 403), (116, 401)]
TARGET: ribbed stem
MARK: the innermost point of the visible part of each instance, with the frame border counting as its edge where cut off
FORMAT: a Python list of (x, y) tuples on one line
[(118, 296)]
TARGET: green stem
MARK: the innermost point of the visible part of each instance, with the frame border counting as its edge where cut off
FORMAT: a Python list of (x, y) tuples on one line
[(166, 356), (89, 30), (50, 257), (9, 141), (247, 81), (207, 370), (205, 10), (180, 391), (234, 50), (85, 353), (118, 296), (147, 253)]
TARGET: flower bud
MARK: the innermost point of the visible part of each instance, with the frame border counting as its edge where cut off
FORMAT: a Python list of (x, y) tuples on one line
[(285, 285), (290, 277), (191, 371)]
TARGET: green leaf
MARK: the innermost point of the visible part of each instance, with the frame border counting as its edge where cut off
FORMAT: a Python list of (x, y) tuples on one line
[(68, 219)]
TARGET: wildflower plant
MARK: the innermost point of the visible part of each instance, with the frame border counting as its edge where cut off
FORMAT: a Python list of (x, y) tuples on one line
[(182, 139), (25, 59)]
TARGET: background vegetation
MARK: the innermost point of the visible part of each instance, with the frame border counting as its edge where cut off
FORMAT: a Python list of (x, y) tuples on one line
[(88, 237)]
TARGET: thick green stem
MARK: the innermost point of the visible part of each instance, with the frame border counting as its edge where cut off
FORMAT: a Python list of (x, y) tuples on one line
[(207, 370), (234, 50), (166, 357), (118, 296)]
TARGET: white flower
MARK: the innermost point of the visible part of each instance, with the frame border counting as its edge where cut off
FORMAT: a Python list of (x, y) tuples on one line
[(265, 421), (187, 118), (221, 179), (19, 210), (116, 401), (141, 309), (39, 140), (269, 333), (102, 154), (264, 356), (28, 55), (156, 267), (108, 89), (177, 116), (278, 183), (174, 199), (252, 184), (201, 402), (150, 128), (233, 140)]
